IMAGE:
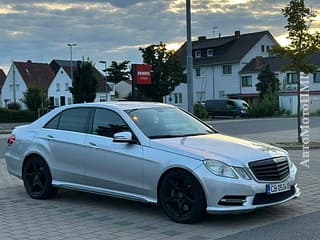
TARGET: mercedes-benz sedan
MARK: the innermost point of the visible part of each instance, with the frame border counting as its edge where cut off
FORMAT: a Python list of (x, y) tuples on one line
[(149, 152)]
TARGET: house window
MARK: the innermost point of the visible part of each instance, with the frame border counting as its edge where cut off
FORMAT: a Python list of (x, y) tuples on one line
[(222, 94), (262, 48), (316, 77), (227, 69), (198, 72), (210, 52), (56, 101), (66, 86), (198, 54), (246, 81), (177, 98), (292, 78), (268, 48), (58, 87)]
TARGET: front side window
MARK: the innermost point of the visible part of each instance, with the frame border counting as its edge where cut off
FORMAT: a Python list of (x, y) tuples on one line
[(106, 123), (316, 77), (246, 81), (227, 69)]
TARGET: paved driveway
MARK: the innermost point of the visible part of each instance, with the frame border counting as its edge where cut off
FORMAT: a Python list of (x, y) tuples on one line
[(74, 215)]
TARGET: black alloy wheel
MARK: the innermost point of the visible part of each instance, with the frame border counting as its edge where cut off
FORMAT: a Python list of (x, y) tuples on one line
[(182, 198), (37, 179)]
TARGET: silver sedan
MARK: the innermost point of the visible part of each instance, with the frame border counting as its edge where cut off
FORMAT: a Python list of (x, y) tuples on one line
[(149, 152)]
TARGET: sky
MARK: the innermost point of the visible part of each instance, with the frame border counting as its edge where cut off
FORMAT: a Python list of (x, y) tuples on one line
[(113, 30)]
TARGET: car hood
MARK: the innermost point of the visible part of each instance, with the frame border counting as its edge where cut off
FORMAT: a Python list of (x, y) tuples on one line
[(231, 150)]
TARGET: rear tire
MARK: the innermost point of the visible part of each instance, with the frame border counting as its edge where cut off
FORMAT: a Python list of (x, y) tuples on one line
[(181, 197), (37, 179)]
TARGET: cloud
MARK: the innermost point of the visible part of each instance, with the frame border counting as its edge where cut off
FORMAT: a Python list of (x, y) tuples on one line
[(114, 30)]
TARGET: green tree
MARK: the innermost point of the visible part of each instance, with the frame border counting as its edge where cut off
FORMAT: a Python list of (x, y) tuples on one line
[(34, 99), (167, 72), (302, 45), (85, 82), (268, 85), (118, 71)]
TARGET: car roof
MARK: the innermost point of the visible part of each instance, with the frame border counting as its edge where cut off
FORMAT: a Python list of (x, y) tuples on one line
[(122, 105)]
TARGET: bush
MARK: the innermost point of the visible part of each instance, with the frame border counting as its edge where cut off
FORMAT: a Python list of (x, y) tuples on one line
[(14, 106), (8, 116), (199, 110), (266, 107)]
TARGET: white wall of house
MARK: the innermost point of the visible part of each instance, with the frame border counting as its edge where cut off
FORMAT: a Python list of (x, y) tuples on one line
[(59, 89), (179, 97), (123, 89), (13, 76), (265, 41)]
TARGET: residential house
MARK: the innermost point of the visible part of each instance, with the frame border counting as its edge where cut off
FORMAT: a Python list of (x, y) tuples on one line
[(24, 75), (60, 67), (288, 81), (217, 63), (2, 79)]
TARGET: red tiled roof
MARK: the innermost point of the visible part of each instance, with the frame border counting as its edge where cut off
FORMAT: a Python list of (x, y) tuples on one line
[(2, 78), (35, 74)]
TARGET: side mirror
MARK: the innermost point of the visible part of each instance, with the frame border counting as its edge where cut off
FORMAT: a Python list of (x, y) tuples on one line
[(123, 137)]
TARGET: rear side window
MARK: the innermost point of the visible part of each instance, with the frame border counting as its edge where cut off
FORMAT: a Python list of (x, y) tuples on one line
[(70, 120), (107, 123), (53, 123), (74, 120)]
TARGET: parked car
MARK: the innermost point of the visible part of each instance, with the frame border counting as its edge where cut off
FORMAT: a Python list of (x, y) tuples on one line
[(227, 107), (149, 152)]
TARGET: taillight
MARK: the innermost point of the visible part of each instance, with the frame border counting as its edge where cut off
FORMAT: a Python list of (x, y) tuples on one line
[(11, 139)]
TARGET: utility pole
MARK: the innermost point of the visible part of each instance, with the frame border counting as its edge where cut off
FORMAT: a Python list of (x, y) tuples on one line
[(106, 80), (14, 82), (71, 63), (189, 57)]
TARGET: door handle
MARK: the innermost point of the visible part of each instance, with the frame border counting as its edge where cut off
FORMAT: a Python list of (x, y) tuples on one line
[(93, 145), (50, 137)]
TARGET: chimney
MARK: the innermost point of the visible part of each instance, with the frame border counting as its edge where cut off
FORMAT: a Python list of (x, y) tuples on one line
[(201, 38), (236, 34), (258, 62), (29, 61)]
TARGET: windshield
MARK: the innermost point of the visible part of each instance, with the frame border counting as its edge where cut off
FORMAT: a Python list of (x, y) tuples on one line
[(166, 122)]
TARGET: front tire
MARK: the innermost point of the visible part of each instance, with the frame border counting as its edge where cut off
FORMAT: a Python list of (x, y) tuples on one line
[(37, 179), (181, 197)]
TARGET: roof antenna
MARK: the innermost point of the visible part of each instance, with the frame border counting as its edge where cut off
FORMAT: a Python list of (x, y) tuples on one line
[(214, 28)]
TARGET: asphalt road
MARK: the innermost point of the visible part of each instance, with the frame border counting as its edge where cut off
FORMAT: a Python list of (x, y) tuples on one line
[(249, 126)]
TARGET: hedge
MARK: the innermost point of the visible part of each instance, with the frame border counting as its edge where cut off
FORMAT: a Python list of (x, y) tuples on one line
[(12, 116)]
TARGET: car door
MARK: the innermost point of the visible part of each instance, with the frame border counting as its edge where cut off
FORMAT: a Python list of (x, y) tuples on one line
[(63, 137), (110, 165)]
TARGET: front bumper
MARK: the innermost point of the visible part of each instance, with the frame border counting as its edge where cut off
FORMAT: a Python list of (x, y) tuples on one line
[(252, 192)]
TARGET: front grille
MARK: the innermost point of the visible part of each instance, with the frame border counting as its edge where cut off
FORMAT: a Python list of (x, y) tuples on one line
[(264, 198), (274, 169)]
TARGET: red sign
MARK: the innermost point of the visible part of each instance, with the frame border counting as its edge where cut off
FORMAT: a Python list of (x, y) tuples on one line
[(143, 74)]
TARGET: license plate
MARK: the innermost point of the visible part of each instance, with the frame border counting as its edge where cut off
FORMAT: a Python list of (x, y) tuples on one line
[(278, 187)]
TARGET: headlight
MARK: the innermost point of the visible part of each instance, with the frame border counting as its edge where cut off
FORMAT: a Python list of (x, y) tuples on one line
[(243, 111), (220, 169), (242, 173), (289, 162)]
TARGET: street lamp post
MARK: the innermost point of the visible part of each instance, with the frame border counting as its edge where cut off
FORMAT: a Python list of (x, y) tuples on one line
[(71, 63), (189, 56), (105, 74)]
